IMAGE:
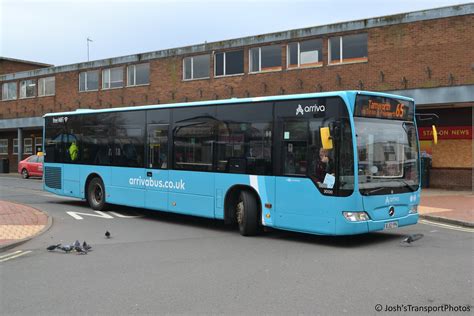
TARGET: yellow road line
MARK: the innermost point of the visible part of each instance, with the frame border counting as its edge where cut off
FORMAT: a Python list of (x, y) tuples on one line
[(16, 256), (447, 226), (9, 254)]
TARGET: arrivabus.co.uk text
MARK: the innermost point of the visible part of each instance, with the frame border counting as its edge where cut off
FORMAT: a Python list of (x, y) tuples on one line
[(148, 182)]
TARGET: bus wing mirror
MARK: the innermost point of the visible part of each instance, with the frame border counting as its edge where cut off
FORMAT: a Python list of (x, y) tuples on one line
[(435, 134), (326, 139)]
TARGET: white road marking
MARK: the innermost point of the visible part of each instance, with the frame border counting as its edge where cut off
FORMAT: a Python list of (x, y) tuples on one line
[(447, 226), (13, 256), (124, 216), (99, 214)]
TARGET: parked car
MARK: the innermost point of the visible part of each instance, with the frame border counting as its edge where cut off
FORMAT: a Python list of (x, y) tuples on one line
[(31, 166)]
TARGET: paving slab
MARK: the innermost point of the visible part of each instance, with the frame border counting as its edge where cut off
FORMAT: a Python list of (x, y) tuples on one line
[(454, 207), (19, 223)]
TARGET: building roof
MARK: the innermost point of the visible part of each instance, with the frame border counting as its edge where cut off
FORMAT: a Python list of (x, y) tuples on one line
[(29, 62), (410, 17)]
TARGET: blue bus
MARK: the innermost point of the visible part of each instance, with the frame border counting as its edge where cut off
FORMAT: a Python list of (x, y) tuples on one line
[(336, 163)]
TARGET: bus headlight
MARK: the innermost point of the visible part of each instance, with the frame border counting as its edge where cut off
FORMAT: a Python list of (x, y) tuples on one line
[(413, 209), (356, 216)]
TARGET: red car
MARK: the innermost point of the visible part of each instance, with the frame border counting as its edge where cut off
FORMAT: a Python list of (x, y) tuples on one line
[(31, 166)]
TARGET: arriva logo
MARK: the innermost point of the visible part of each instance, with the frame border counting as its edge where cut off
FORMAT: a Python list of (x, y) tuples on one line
[(310, 108)]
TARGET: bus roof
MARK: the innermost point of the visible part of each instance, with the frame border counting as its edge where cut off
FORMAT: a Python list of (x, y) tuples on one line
[(347, 95)]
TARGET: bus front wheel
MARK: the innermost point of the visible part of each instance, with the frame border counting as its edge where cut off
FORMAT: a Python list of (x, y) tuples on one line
[(96, 194), (247, 214)]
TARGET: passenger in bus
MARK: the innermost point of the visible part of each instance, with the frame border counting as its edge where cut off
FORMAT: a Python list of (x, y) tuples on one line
[(324, 165), (73, 151), (163, 161)]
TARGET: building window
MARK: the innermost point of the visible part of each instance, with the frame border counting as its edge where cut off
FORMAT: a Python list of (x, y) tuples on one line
[(28, 146), (15, 146), (305, 54), (9, 91), (229, 63), (38, 144), (112, 78), (348, 49), (27, 89), (46, 86), (196, 67), (89, 80), (265, 58), (3, 146), (138, 74)]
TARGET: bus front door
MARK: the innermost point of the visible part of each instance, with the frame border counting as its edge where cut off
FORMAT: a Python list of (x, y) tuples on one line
[(299, 204), (157, 174)]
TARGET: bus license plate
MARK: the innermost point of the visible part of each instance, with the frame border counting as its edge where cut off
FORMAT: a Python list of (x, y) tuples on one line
[(391, 225)]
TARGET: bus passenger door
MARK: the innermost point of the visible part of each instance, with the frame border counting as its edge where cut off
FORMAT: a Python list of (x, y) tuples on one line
[(294, 193), (299, 204), (157, 174)]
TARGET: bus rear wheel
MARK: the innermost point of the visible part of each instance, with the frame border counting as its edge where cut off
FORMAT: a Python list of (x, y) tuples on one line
[(96, 194), (247, 214)]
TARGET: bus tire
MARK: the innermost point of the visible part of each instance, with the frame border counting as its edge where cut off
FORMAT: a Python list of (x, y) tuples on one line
[(96, 194), (247, 214), (24, 174)]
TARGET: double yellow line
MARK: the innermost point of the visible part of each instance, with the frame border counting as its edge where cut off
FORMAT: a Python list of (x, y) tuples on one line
[(13, 255)]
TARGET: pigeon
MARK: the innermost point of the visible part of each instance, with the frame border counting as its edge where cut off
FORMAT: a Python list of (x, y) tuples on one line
[(107, 234), (77, 244), (80, 251), (53, 247), (86, 246), (411, 238), (66, 248)]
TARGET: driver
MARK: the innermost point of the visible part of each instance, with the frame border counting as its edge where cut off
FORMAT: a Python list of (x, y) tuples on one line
[(324, 165)]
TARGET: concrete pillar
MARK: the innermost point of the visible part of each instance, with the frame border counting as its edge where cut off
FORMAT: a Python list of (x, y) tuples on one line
[(20, 144)]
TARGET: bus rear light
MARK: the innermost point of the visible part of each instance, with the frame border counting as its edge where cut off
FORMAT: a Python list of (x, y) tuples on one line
[(356, 216), (413, 209)]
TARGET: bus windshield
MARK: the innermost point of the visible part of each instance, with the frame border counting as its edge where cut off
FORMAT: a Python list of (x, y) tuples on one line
[(388, 154)]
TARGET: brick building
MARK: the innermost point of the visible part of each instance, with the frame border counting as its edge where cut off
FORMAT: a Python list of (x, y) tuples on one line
[(10, 65), (427, 55)]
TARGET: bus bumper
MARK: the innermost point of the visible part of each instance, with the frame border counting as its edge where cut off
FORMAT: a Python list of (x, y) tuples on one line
[(344, 227)]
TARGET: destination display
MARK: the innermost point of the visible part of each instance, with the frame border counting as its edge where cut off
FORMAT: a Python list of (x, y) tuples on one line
[(384, 108)]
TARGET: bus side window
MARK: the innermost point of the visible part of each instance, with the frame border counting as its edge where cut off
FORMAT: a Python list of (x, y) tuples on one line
[(96, 142), (194, 133), (158, 146), (244, 139)]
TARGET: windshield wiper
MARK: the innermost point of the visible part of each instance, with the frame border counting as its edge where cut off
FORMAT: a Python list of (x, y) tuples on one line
[(374, 190), (383, 188)]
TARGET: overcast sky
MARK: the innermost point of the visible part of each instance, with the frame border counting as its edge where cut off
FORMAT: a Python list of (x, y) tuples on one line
[(55, 31)]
